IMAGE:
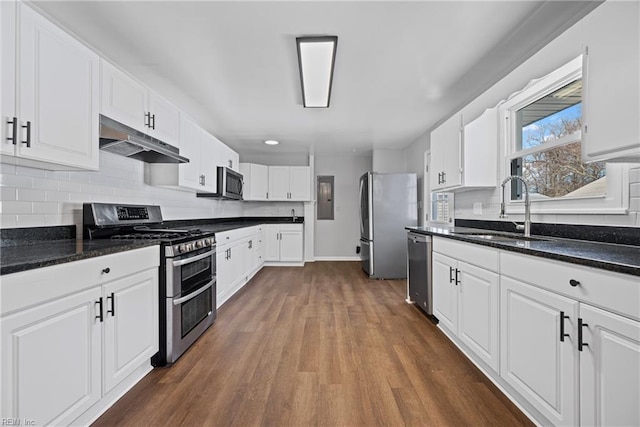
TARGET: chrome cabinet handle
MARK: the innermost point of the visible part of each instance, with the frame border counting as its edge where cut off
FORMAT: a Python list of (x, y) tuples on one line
[(152, 120), (574, 282), (451, 279)]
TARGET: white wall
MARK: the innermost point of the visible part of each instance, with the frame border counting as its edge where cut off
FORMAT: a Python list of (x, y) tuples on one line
[(338, 238), (389, 161), (557, 53)]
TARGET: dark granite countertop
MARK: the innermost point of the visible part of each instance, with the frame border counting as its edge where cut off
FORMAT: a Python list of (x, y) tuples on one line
[(23, 249), (35, 254), (607, 256)]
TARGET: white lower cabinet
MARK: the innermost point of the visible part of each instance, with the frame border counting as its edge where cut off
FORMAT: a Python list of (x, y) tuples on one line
[(575, 363), (51, 370), (465, 296), (238, 259), (563, 340), (130, 322), (609, 369), (535, 361), (284, 243), (66, 347)]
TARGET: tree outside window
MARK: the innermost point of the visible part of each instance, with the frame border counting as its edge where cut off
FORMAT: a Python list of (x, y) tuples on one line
[(548, 148)]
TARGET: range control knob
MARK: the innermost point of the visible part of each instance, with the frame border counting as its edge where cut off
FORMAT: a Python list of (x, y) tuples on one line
[(198, 243)]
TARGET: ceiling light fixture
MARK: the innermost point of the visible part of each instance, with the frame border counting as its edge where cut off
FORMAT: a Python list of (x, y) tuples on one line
[(316, 58), (271, 142)]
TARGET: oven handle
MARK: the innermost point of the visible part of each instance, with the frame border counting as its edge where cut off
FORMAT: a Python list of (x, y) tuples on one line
[(194, 259), (194, 294)]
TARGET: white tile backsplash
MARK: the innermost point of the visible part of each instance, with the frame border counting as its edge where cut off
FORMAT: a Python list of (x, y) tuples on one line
[(35, 197)]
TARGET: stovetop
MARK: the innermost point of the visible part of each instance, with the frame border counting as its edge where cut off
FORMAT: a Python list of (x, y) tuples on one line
[(141, 222)]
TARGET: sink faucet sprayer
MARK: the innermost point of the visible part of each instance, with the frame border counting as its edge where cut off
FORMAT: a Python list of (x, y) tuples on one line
[(293, 215), (527, 205)]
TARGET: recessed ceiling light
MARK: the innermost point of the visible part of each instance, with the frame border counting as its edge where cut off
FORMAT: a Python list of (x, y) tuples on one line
[(271, 142)]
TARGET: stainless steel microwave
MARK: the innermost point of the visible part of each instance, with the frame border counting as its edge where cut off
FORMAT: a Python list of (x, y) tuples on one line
[(228, 183)]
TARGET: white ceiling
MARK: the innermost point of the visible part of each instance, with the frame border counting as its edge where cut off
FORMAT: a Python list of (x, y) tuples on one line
[(401, 67)]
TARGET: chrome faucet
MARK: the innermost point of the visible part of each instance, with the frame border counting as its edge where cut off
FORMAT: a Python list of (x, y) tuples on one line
[(293, 215), (527, 205)]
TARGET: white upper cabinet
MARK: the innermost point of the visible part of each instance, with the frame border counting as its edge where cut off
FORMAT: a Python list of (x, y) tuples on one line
[(256, 181), (480, 151), (611, 78), (227, 157), (292, 183), (127, 101), (445, 166), (7, 75), (52, 107), (463, 157), (201, 148)]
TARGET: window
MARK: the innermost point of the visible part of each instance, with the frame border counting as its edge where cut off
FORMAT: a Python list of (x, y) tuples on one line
[(543, 136)]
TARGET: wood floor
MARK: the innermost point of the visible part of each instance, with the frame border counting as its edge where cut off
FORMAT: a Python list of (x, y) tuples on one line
[(318, 345)]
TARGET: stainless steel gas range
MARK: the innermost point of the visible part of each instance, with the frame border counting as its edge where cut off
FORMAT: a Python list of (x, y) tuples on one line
[(187, 270)]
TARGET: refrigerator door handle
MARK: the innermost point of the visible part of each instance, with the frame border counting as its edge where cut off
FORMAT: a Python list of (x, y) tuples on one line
[(360, 209)]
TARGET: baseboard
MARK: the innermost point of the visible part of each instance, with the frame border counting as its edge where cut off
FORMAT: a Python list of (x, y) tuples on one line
[(337, 258), (283, 264)]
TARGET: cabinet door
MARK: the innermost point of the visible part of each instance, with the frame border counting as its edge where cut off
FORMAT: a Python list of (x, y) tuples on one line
[(190, 175), (260, 238), (51, 357), (480, 141), (165, 119), (452, 140), (208, 162), (300, 183), (122, 98), (291, 246), (7, 74), (256, 181), (533, 359), (130, 325), (445, 291), (611, 79), (278, 182), (272, 242), (436, 167), (58, 95), (478, 312), (609, 369), (227, 157), (223, 275)]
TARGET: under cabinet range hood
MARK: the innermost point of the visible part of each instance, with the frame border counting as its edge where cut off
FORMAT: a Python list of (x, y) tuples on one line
[(125, 141)]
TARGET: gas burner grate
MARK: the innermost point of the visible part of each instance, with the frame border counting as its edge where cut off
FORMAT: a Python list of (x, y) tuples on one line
[(147, 236)]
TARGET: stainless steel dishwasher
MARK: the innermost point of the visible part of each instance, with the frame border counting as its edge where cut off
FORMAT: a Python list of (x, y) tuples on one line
[(419, 289)]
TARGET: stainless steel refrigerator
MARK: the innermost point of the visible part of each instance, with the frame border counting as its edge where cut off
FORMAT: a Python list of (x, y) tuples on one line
[(388, 203)]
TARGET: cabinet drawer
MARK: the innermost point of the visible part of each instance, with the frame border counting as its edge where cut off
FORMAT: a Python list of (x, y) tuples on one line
[(24, 289), (611, 291), (480, 256)]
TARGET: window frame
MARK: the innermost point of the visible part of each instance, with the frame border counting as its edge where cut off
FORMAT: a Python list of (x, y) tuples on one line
[(616, 199)]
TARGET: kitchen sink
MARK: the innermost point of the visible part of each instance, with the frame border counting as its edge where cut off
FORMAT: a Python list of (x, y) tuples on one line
[(502, 237)]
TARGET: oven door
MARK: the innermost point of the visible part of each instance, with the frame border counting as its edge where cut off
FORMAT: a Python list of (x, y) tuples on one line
[(191, 301)]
